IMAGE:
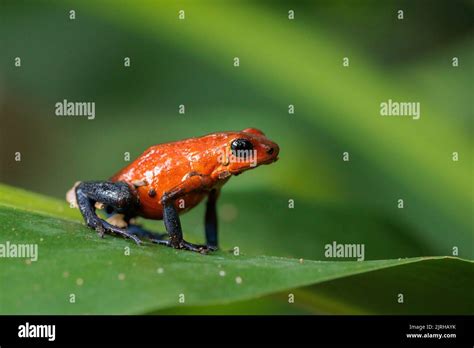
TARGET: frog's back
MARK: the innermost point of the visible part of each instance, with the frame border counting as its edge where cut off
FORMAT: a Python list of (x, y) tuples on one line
[(162, 167), (175, 158)]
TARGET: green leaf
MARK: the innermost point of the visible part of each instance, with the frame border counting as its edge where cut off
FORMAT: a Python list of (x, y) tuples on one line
[(432, 286), (72, 260)]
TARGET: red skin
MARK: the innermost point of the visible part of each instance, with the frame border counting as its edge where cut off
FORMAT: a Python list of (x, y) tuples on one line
[(192, 166)]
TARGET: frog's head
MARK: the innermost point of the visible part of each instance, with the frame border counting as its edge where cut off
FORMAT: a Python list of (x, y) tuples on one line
[(245, 150)]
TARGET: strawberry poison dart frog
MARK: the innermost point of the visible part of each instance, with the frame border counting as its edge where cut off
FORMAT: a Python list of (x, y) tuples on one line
[(169, 179)]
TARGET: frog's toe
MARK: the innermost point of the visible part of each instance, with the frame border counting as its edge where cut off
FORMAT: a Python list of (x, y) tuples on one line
[(161, 241), (203, 249), (100, 230), (116, 230)]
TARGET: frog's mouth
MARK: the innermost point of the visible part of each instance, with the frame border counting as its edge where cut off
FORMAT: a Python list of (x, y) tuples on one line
[(268, 161)]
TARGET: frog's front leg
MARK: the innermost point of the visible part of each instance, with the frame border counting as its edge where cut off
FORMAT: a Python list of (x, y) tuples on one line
[(171, 217), (119, 196)]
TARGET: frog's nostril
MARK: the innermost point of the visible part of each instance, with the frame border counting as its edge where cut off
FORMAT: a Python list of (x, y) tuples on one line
[(270, 150)]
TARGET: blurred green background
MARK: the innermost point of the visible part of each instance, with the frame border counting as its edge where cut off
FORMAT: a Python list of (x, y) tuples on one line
[(282, 62)]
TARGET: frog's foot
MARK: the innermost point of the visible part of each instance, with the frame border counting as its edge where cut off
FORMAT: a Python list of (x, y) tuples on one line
[(143, 233), (203, 249), (103, 227)]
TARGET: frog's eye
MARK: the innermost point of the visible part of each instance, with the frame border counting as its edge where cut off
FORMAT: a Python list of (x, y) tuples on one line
[(241, 144)]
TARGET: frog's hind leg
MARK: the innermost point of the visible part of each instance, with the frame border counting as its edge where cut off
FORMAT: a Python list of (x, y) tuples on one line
[(119, 196)]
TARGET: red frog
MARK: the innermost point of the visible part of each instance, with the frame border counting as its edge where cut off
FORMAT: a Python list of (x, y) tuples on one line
[(170, 179)]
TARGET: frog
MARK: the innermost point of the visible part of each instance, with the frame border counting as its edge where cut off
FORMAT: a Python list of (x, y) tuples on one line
[(168, 180)]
